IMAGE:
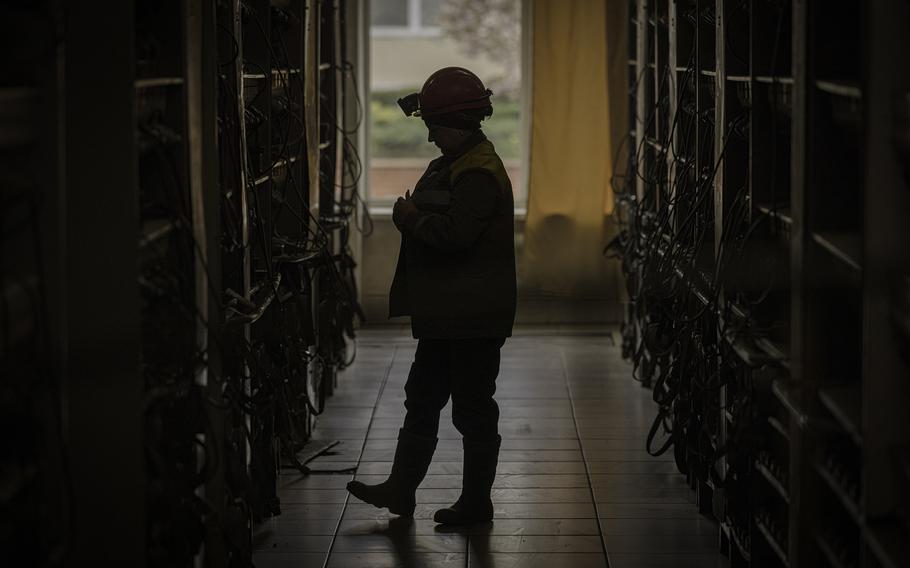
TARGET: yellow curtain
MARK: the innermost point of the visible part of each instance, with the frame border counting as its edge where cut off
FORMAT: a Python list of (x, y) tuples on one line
[(578, 119)]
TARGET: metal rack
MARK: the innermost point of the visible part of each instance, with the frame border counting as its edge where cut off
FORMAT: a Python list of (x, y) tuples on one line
[(34, 472), (293, 298), (765, 197), (182, 289)]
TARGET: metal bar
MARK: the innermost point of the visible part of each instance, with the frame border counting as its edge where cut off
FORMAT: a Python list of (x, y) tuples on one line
[(800, 468), (192, 53), (720, 111), (339, 105), (193, 69), (244, 215), (673, 96), (202, 102), (311, 104), (158, 82), (640, 103), (886, 391), (102, 385)]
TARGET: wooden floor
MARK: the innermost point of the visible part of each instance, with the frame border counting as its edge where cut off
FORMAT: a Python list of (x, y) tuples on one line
[(574, 485)]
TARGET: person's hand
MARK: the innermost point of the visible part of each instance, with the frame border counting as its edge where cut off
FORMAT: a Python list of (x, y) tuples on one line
[(404, 207)]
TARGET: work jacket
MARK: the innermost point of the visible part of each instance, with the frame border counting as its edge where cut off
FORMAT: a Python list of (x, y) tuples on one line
[(456, 264)]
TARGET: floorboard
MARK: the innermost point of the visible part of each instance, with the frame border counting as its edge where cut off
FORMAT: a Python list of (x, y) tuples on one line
[(575, 486)]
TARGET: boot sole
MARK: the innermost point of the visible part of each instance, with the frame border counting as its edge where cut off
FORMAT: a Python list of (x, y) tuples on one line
[(461, 522), (455, 519), (394, 508)]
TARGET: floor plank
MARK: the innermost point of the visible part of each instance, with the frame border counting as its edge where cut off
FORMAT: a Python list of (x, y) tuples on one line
[(575, 485)]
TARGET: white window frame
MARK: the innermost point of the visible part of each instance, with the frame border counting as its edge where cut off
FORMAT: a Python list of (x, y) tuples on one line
[(414, 27)]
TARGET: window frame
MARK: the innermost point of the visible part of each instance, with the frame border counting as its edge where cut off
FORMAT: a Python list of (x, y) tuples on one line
[(415, 28)]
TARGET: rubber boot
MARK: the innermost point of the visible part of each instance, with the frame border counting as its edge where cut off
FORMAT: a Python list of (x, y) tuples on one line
[(412, 459), (474, 505)]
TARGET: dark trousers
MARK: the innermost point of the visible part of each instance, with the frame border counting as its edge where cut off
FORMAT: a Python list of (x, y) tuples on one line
[(464, 369)]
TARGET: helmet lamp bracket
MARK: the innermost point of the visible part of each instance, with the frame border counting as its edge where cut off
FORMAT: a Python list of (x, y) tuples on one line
[(410, 104)]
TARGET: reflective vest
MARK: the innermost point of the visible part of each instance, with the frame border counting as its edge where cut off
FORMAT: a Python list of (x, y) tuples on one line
[(481, 156)]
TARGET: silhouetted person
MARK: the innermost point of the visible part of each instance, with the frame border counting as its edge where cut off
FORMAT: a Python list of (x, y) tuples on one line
[(456, 279)]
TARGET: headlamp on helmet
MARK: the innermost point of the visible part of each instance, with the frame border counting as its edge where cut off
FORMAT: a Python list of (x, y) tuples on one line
[(448, 90), (410, 104)]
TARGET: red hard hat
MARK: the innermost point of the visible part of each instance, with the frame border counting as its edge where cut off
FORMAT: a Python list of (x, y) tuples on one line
[(451, 89)]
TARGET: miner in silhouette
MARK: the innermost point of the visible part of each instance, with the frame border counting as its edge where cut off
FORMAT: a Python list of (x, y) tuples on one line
[(455, 278)]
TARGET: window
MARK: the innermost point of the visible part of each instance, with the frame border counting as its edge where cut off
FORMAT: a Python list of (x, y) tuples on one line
[(429, 13), (403, 54), (404, 17)]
